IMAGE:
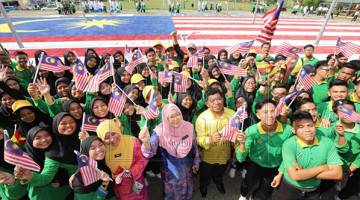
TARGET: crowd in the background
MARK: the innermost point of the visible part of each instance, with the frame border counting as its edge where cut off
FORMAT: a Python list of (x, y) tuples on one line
[(305, 150)]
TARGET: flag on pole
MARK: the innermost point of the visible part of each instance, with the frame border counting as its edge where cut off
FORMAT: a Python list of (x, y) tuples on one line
[(349, 114), (242, 47), (153, 111), (94, 83), (271, 19), (305, 80), (180, 82), (117, 101), (90, 123), (14, 155), (80, 75), (165, 77), (347, 48), (127, 54), (287, 50), (283, 100), (136, 58), (88, 169), (52, 63), (227, 68), (230, 130)]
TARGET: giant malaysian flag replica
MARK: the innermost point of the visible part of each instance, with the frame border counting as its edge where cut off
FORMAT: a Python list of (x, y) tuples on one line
[(14, 155)]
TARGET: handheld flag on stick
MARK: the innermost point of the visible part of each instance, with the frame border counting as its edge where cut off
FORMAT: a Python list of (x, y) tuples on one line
[(283, 100), (271, 19), (230, 131), (242, 48), (117, 101), (153, 110), (287, 50), (136, 59), (349, 114), (180, 82), (94, 83), (90, 123), (347, 48), (17, 137), (227, 68), (80, 75), (305, 80), (88, 169), (165, 77), (52, 63), (14, 155), (193, 60)]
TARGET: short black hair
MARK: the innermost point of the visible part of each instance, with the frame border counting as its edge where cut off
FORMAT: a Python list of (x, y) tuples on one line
[(309, 45), (349, 65), (338, 82), (279, 57), (266, 43), (321, 63), (340, 55), (149, 50), (355, 63), (280, 85), (330, 56), (300, 115), (18, 53), (341, 102), (212, 91), (259, 105), (301, 102)]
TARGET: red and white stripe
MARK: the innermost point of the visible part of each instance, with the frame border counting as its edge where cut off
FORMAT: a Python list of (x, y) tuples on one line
[(216, 32), (23, 161), (89, 173)]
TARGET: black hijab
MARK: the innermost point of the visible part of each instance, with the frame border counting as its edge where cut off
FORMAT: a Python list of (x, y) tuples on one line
[(61, 80), (98, 98), (66, 108), (78, 185), (249, 96), (117, 64), (66, 60), (7, 117), (63, 146), (130, 88), (20, 94), (103, 58), (90, 53), (40, 119), (221, 78), (119, 72), (235, 61), (187, 113), (81, 100)]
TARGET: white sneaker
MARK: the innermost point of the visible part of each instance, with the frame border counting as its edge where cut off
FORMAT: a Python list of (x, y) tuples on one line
[(158, 175), (150, 173), (232, 173), (242, 198)]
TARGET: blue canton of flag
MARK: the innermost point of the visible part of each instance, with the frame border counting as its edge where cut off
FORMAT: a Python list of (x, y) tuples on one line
[(88, 169), (52, 63), (231, 69), (117, 101), (90, 123), (152, 112), (305, 80), (14, 155), (283, 100), (349, 114), (165, 77)]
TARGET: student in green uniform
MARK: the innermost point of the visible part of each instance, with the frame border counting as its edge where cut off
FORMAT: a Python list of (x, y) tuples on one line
[(60, 156), (265, 53), (263, 146), (346, 73), (309, 57), (307, 160), (338, 89), (94, 148), (319, 90), (355, 95), (153, 61), (349, 132), (22, 70)]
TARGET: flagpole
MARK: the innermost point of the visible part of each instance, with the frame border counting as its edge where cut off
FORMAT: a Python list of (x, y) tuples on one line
[(292, 101), (5, 52), (83, 121), (255, 11), (11, 27), (38, 67), (328, 15), (126, 95)]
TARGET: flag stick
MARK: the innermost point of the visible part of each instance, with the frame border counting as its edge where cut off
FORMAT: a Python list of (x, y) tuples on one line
[(126, 95), (83, 121), (255, 11), (5, 52), (325, 22), (292, 101), (38, 67)]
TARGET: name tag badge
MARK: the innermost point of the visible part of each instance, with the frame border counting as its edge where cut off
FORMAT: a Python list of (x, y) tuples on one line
[(117, 155)]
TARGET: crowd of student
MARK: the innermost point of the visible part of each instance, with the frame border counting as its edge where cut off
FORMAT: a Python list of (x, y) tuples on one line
[(307, 152)]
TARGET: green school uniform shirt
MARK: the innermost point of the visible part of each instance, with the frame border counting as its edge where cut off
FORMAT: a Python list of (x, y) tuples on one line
[(24, 76), (264, 148), (350, 151), (323, 151), (320, 92), (325, 110), (13, 192), (313, 61), (99, 194)]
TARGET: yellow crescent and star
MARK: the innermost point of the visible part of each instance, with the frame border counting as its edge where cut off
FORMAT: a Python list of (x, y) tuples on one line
[(78, 23)]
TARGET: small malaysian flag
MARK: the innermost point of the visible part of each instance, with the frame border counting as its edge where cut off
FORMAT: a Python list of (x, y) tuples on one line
[(80, 75), (347, 48), (52, 64), (180, 82), (90, 123), (283, 100), (152, 112), (94, 83), (230, 131), (193, 60), (227, 68), (136, 59), (242, 48), (14, 155), (287, 50), (88, 169), (349, 114), (271, 19), (127, 54), (305, 80), (165, 77), (117, 101)]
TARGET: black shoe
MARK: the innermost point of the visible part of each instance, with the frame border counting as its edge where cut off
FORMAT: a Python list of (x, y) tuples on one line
[(203, 191), (220, 187)]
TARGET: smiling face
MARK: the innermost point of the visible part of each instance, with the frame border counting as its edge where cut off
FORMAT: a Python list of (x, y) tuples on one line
[(7, 100), (112, 138), (75, 110), (27, 115), (13, 84), (105, 88), (76, 93), (97, 150), (22, 60), (67, 126), (125, 77), (91, 63), (42, 140), (338, 92), (71, 57), (174, 118), (249, 85), (266, 114), (100, 109), (304, 130), (187, 102), (62, 89), (215, 103)]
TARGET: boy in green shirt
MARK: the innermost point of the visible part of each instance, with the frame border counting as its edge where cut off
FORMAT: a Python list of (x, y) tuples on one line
[(307, 159), (319, 90), (309, 58), (22, 71)]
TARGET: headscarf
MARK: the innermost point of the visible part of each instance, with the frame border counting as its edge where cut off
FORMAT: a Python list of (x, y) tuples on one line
[(220, 78), (19, 94), (187, 113), (66, 108), (220, 52), (40, 119), (117, 64), (139, 68), (176, 141), (61, 80), (88, 55), (98, 98), (66, 60), (249, 96), (235, 61), (78, 185), (63, 148), (119, 72), (81, 100), (7, 117)]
